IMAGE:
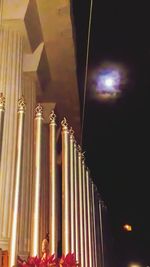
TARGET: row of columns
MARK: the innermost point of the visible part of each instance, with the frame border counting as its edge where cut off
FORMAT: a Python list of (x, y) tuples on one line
[(82, 231), (76, 189), (13, 84), (79, 224)]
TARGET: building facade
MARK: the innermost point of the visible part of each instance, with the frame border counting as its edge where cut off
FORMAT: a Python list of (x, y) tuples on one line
[(45, 185)]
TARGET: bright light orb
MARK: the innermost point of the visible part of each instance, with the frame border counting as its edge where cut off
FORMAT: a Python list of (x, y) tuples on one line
[(109, 81), (127, 227)]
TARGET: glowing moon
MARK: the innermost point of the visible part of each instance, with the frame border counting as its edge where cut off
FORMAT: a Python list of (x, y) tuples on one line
[(108, 80)]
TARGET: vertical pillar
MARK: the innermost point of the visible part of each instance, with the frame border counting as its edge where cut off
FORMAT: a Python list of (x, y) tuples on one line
[(10, 84), (97, 223), (85, 213), (44, 190), (53, 205), (2, 103), (100, 203), (82, 259), (90, 247), (29, 92), (77, 214), (35, 242), (72, 194), (65, 189), (94, 223), (19, 145)]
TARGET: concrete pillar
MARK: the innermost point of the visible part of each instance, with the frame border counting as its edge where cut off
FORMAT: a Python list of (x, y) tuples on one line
[(10, 86)]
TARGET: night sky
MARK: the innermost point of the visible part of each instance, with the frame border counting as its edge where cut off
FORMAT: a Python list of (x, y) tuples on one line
[(116, 134)]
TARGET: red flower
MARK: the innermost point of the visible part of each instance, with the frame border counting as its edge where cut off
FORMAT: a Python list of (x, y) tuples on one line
[(50, 261), (34, 261), (68, 261)]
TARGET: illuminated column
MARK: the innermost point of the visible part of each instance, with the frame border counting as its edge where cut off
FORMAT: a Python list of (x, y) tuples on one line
[(65, 189), (100, 204), (85, 213), (82, 259), (90, 247), (53, 193), (94, 223), (11, 87), (97, 223), (19, 144), (72, 191), (2, 104), (44, 189), (35, 230), (77, 214), (29, 92)]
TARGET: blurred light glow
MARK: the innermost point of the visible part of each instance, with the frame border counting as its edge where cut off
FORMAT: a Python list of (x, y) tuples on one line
[(108, 81), (127, 227), (134, 265)]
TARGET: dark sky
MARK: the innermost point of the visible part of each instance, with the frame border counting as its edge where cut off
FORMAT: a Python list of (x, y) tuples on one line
[(116, 135)]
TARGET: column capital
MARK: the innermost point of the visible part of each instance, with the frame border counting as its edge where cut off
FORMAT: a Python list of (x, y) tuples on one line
[(71, 131), (21, 104), (52, 118), (64, 124), (83, 157), (38, 110)]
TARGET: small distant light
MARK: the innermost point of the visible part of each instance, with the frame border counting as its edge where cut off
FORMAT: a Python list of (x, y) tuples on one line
[(127, 227), (134, 265)]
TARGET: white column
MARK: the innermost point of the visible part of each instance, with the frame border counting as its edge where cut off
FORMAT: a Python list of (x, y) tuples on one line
[(44, 200), (18, 172), (65, 189), (77, 213), (94, 223), (85, 215), (10, 86), (72, 192), (90, 247), (29, 92), (53, 186), (100, 204), (81, 208), (35, 229)]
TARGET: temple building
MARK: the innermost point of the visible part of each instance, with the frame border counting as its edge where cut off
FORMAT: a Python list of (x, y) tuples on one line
[(45, 185)]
